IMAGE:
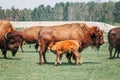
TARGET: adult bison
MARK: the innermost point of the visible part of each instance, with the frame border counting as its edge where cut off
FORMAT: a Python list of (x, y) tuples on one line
[(77, 31), (9, 38), (30, 35), (114, 41)]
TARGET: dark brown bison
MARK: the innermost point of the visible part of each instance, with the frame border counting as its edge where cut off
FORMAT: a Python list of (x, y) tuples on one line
[(30, 35), (114, 41), (9, 38), (68, 47), (77, 31)]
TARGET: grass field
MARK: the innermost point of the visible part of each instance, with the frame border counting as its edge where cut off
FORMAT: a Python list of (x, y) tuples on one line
[(24, 66)]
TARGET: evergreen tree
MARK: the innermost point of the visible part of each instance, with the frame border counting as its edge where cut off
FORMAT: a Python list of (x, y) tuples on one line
[(116, 12)]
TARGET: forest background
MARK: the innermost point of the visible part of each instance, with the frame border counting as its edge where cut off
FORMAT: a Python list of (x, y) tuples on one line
[(108, 12)]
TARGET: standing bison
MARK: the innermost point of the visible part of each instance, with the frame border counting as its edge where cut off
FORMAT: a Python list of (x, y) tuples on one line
[(30, 35), (88, 36), (69, 47), (114, 41), (9, 38)]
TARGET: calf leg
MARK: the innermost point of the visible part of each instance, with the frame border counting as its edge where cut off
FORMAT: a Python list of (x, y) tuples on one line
[(56, 59), (60, 59)]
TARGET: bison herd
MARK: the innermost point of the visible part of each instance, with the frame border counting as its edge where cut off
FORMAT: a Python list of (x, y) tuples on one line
[(69, 39)]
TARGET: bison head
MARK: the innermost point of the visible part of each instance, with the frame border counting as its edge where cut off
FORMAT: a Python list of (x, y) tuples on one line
[(96, 36), (13, 41)]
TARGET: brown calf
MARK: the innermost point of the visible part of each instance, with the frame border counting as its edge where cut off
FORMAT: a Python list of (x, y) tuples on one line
[(67, 46)]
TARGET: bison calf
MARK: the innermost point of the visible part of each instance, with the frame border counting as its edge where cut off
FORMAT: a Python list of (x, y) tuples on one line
[(67, 46)]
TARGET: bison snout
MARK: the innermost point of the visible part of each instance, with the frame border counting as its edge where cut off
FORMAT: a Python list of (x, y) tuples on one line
[(16, 47)]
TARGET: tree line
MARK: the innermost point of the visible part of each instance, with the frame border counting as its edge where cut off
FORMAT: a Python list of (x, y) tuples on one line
[(102, 12)]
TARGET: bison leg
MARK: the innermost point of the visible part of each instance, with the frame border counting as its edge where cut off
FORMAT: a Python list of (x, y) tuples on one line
[(114, 54), (69, 56), (21, 47), (4, 54), (36, 47), (110, 49), (21, 43), (42, 52), (118, 54), (44, 56)]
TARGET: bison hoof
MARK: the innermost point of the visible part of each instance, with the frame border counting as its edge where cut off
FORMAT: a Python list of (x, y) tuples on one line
[(80, 62), (5, 57), (45, 62), (22, 51), (40, 63), (111, 58)]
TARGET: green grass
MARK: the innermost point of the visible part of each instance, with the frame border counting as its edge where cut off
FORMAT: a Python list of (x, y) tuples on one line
[(24, 66)]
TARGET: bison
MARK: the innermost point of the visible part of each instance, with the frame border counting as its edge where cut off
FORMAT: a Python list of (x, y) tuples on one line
[(9, 38), (68, 47), (88, 36), (30, 35), (114, 41)]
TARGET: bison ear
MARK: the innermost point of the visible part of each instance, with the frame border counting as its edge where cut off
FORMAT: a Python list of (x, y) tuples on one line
[(93, 31)]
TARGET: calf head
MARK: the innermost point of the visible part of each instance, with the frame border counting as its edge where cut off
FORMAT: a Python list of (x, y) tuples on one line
[(13, 41), (96, 36)]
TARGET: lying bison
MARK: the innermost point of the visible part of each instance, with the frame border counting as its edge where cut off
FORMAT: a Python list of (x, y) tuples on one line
[(30, 35), (88, 36), (114, 41), (9, 38)]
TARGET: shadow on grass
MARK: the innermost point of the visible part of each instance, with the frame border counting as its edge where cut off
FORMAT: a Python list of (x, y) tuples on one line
[(63, 64), (113, 58), (91, 62), (28, 52), (10, 58), (67, 64)]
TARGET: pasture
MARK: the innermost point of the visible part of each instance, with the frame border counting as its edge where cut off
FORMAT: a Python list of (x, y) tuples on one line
[(24, 66)]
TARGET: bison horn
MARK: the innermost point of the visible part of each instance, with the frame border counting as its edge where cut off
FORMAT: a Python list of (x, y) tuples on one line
[(6, 36), (97, 29)]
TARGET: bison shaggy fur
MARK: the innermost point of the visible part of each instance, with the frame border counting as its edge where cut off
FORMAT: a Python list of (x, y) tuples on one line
[(88, 36), (114, 41)]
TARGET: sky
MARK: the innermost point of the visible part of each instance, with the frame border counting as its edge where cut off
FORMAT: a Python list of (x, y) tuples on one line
[(21, 4)]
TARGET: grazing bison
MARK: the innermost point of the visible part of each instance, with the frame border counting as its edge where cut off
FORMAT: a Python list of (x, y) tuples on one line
[(9, 38), (77, 31), (30, 35), (114, 41), (68, 47)]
